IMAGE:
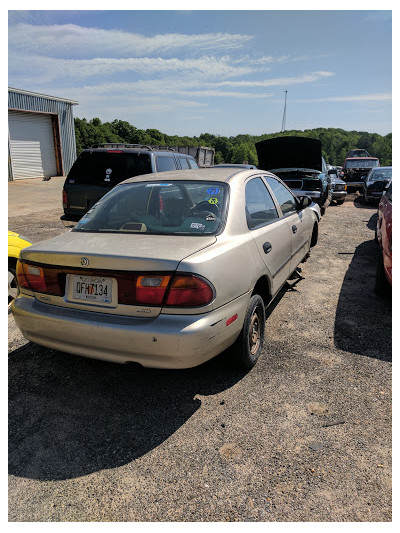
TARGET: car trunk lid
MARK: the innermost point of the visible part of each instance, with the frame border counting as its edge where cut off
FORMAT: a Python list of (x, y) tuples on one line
[(113, 263)]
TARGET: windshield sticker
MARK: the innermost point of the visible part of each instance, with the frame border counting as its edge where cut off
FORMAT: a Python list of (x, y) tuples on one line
[(211, 217), (212, 191), (108, 171), (197, 225), (213, 201), (71, 181), (107, 178), (159, 185)]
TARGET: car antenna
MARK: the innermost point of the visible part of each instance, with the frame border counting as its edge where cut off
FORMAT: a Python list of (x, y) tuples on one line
[(284, 114)]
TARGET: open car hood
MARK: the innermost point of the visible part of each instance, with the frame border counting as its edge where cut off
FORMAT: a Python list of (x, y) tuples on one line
[(289, 152)]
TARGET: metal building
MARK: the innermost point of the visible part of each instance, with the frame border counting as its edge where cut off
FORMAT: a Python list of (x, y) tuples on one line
[(41, 135)]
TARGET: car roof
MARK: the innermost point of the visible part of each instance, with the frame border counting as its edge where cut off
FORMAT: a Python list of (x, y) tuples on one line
[(135, 149), (369, 157), (222, 174)]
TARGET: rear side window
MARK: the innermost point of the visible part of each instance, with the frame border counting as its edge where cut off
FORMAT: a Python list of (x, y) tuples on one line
[(108, 168), (165, 163), (184, 163), (192, 163), (260, 208), (285, 198)]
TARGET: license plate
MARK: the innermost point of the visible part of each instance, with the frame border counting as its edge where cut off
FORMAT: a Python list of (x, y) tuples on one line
[(92, 289)]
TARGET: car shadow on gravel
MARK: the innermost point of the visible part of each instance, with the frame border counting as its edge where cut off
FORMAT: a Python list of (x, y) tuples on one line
[(363, 322), (70, 416)]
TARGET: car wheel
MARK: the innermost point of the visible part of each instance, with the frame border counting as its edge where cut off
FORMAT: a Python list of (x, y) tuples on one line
[(12, 283), (382, 286), (250, 341), (339, 202)]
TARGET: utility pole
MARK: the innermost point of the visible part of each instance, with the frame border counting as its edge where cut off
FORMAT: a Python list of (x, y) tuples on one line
[(284, 114)]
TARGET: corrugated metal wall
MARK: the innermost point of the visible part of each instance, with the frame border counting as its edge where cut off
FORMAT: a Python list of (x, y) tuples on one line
[(39, 103)]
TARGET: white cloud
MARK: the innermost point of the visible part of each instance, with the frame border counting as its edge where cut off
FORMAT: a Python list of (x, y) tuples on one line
[(377, 97), (55, 40), (50, 69), (290, 80)]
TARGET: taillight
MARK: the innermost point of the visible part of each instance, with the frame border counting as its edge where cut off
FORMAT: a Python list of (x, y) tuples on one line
[(150, 290), (38, 279), (30, 277), (64, 199), (188, 290)]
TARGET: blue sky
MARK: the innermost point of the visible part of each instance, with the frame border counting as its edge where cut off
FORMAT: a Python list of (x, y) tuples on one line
[(222, 72)]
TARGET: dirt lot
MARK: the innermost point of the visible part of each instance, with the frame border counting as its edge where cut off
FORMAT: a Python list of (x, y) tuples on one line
[(304, 436)]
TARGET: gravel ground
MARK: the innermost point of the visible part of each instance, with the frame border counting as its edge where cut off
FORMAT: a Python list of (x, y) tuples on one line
[(303, 436)]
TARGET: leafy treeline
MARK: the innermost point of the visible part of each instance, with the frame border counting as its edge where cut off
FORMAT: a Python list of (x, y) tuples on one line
[(335, 142)]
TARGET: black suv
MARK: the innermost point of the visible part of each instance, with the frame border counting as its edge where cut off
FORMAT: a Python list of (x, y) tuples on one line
[(97, 170)]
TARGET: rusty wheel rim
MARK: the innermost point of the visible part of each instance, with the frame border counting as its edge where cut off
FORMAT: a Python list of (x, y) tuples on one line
[(254, 333)]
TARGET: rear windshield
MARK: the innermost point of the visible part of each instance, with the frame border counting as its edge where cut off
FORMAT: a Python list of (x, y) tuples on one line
[(361, 163), (108, 168), (164, 207)]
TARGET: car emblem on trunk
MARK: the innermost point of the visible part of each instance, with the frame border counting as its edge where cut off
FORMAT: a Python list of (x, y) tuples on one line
[(84, 261)]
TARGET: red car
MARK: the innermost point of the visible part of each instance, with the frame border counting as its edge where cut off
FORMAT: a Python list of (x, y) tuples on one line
[(384, 237)]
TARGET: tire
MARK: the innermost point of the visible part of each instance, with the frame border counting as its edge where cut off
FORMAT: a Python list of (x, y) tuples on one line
[(248, 346), (314, 236), (382, 286), (339, 202), (12, 282)]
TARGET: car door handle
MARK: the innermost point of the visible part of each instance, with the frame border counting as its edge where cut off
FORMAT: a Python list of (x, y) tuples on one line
[(267, 247), (294, 228)]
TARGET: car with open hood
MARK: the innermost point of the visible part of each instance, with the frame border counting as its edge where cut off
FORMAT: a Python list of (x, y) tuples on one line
[(299, 163), (355, 170), (168, 269)]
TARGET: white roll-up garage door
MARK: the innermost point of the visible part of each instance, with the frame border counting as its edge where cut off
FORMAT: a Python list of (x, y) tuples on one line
[(31, 145)]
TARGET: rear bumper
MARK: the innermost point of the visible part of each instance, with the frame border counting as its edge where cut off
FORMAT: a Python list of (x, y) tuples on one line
[(166, 341)]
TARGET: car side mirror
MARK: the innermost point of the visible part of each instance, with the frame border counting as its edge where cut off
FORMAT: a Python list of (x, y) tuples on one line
[(304, 201)]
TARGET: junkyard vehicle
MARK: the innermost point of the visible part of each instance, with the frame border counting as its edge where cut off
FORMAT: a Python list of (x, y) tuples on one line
[(355, 170), (375, 182), (299, 163), (204, 155), (235, 165), (339, 188), (168, 269), (16, 243), (358, 152), (97, 170), (384, 237)]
